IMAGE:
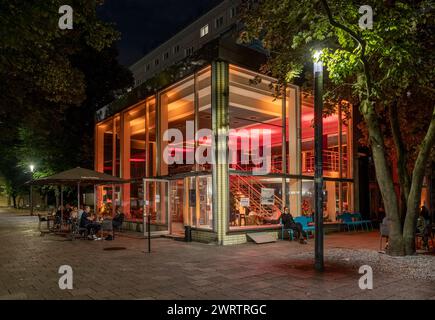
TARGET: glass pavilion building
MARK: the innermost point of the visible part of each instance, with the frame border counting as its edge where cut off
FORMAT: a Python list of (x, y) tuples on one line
[(220, 201)]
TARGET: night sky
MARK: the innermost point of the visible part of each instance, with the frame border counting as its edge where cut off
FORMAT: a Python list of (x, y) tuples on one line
[(144, 24)]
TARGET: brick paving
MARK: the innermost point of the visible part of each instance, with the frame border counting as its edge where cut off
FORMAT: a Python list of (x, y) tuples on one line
[(174, 270)]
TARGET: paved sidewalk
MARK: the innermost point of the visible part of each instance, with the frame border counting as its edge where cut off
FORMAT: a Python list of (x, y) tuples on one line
[(176, 270)]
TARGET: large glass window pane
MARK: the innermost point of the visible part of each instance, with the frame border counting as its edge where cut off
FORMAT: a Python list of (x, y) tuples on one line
[(117, 158), (156, 205), (136, 200), (136, 124), (177, 115), (205, 202), (346, 143), (181, 123), (204, 119), (108, 148), (307, 130), (177, 198), (307, 205), (254, 201), (200, 201), (152, 138), (253, 107), (336, 141)]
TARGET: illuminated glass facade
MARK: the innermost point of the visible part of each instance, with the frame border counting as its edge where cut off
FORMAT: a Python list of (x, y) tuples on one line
[(224, 199)]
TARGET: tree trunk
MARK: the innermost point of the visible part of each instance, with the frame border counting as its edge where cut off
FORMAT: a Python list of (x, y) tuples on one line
[(14, 200), (413, 203), (385, 181), (402, 156)]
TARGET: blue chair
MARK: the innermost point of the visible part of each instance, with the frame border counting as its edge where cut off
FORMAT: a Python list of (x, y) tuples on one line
[(283, 230), (347, 220), (358, 217), (304, 221)]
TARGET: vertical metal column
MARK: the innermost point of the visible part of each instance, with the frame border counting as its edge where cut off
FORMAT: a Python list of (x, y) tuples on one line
[(31, 200), (318, 173)]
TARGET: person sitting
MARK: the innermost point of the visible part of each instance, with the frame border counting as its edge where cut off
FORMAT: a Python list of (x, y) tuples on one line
[(59, 216), (80, 211), (86, 221), (118, 219), (116, 224), (67, 212), (107, 226), (290, 223)]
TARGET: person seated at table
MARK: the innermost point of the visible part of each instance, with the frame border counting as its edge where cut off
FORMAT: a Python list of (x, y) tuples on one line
[(74, 213), (58, 216), (67, 212), (289, 223), (80, 211), (88, 222), (118, 219), (107, 226)]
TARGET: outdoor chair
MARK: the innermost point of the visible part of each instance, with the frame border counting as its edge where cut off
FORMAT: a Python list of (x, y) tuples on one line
[(77, 231), (348, 221), (283, 230), (107, 226), (119, 219), (304, 221), (42, 219), (367, 223)]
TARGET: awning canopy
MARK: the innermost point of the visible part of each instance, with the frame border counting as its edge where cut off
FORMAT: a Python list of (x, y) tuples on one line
[(78, 176)]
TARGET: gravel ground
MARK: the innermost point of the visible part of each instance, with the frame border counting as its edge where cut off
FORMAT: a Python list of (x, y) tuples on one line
[(413, 267)]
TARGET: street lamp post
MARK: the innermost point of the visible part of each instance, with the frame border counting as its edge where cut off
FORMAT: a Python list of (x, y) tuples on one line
[(318, 173), (32, 168)]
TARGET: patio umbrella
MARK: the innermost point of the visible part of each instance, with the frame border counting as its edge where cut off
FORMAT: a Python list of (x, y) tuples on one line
[(77, 176)]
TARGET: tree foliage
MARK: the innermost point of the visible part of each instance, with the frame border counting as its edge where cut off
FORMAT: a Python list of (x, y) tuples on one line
[(51, 83)]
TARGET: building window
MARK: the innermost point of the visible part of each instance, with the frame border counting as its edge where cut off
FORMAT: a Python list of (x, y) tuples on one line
[(166, 56), (176, 49), (204, 31), (156, 62), (188, 51), (219, 22), (147, 68), (233, 12)]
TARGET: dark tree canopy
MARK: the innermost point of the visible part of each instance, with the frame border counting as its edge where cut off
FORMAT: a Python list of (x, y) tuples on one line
[(51, 83)]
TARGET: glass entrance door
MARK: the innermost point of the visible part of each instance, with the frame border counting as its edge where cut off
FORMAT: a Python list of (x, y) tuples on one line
[(178, 206), (156, 205)]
